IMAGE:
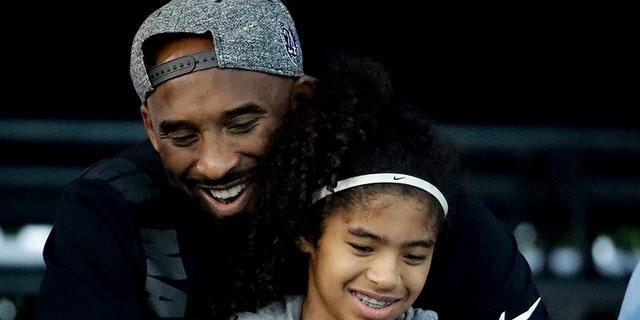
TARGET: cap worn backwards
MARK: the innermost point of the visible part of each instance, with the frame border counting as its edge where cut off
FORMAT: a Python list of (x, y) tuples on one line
[(256, 35)]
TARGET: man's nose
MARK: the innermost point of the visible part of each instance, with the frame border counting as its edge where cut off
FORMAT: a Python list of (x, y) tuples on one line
[(217, 157)]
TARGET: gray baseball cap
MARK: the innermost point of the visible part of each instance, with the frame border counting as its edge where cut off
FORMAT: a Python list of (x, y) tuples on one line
[(256, 35)]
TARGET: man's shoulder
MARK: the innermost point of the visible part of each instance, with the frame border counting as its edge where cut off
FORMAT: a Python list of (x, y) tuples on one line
[(473, 220), (475, 239), (136, 172), (138, 157), (477, 270), (132, 182)]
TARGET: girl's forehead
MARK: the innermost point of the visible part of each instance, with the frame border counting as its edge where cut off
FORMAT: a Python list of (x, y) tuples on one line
[(372, 202), (383, 206)]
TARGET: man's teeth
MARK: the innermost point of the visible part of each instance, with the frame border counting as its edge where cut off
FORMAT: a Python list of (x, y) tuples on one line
[(223, 195), (372, 302)]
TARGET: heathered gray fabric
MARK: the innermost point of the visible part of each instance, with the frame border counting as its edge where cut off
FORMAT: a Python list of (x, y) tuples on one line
[(291, 309), (256, 35)]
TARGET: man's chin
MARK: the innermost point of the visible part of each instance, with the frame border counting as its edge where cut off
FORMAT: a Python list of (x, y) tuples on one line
[(223, 211)]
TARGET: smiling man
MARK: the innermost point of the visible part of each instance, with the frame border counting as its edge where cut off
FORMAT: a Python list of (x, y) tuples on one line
[(133, 232)]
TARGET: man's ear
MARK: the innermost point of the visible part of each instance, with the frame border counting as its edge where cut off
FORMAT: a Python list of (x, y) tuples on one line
[(148, 125), (303, 90), (304, 245)]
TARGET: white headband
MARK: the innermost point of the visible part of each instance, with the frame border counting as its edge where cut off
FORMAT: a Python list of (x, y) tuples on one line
[(383, 178)]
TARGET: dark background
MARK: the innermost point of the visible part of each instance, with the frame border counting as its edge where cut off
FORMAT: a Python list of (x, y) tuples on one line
[(564, 62)]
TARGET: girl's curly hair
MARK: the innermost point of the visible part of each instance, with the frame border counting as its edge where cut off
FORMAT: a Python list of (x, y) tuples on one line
[(355, 124)]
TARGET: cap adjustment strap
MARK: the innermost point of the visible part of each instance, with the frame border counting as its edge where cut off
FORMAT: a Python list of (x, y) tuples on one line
[(183, 65)]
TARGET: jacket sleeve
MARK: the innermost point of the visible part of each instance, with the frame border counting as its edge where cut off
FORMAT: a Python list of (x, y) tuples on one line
[(630, 308), (95, 268), (478, 272)]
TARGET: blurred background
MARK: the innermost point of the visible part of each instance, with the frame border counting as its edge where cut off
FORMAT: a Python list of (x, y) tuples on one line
[(539, 96)]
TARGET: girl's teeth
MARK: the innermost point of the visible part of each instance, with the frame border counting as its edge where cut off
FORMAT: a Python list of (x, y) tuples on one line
[(372, 302)]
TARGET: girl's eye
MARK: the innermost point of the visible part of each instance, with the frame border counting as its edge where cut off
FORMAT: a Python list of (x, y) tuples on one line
[(415, 259), (360, 248)]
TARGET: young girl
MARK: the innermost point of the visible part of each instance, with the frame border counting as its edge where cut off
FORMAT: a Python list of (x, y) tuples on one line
[(359, 198)]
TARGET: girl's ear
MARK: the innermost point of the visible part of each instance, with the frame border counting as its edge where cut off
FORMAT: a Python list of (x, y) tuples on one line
[(304, 245), (303, 90)]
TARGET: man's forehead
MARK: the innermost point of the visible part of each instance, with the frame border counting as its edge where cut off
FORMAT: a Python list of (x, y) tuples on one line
[(178, 48)]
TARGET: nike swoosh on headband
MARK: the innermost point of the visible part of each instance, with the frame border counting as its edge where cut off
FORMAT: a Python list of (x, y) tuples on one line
[(396, 178)]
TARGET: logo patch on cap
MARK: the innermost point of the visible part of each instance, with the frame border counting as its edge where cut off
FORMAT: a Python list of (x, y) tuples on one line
[(291, 44)]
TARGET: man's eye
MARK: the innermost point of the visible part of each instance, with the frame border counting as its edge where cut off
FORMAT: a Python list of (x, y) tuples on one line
[(244, 126), (184, 140)]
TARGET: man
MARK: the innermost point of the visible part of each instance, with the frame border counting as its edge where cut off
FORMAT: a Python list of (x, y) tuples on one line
[(142, 234)]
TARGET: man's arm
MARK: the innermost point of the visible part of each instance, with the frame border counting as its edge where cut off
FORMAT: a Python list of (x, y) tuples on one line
[(95, 269), (479, 273)]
